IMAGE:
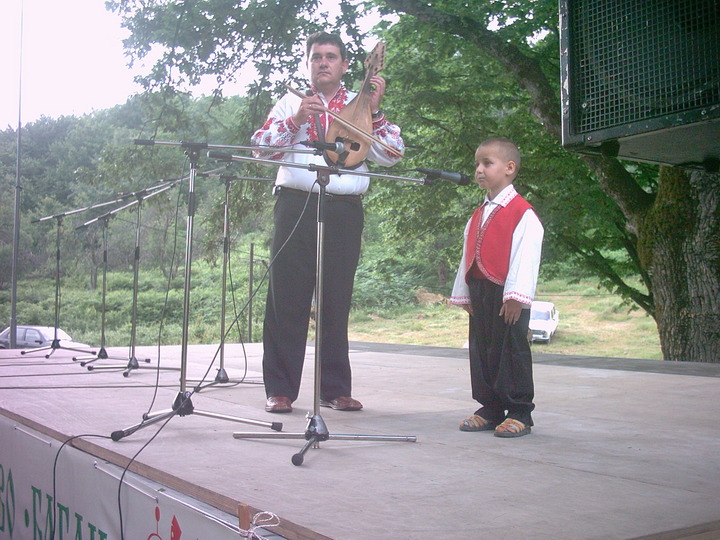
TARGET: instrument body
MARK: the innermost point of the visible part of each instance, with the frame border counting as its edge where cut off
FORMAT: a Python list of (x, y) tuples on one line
[(358, 113)]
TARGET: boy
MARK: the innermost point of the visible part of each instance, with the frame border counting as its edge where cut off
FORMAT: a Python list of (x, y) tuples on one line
[(495, 284)]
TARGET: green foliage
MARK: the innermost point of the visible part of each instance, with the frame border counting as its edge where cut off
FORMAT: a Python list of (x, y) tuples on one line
[(382, 283), (5, 265), (220, 39), (159, 306), (77, 169), (448, 87)]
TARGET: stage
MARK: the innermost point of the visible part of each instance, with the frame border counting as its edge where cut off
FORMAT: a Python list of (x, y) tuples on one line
[(620, 449)]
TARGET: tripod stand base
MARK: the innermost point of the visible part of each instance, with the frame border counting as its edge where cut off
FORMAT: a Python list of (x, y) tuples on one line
[(316, 433), (55, 346), (101, 355), (221, 377), (131, 365), (183, 406)]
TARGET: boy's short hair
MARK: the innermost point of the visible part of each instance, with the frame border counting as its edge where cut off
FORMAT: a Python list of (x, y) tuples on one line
[(508, 148), (323, 38)]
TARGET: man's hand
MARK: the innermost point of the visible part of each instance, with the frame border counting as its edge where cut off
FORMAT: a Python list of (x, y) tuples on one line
[(309, 106), (511, 310), (377, 92)]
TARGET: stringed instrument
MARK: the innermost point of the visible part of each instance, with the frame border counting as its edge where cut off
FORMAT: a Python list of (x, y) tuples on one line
[(357, 113)]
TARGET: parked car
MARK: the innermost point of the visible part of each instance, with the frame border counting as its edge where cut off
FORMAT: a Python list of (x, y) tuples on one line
[(544, 320), (30, 337)]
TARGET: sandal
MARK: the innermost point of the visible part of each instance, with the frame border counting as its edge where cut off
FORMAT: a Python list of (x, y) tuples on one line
[(511, 428), (477, 423)]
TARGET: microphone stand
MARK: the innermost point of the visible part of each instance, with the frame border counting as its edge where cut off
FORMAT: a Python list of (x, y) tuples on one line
[(102, 353), (55, 345), (316, 430), (140, 196), (182, 405), (221, 377), (59, 217)]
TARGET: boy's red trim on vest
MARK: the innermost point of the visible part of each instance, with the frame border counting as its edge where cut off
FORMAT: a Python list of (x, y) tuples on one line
[(489, 245)]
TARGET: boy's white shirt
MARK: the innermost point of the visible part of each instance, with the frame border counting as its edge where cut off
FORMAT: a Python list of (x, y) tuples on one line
[(525, 254)]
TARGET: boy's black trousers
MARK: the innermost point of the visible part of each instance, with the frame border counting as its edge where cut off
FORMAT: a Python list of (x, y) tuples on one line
[(500, 357)]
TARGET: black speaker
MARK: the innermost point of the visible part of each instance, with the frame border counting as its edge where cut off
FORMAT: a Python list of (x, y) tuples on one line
[(641, 79)]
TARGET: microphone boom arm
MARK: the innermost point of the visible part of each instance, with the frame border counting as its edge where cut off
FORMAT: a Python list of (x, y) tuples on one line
[(222, 156)]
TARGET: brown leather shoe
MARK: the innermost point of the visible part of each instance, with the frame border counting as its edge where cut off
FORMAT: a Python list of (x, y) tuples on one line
[(278, 404), (342, 403)]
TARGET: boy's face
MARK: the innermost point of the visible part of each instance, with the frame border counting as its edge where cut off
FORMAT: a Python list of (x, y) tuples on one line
[(493, 171), (326, 66)]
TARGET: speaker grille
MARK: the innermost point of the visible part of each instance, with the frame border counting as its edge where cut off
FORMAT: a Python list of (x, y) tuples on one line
[(640, 59)]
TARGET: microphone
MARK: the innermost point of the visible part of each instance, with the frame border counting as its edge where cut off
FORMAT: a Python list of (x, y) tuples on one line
[(456, 178), (338, 147), (220, 156)]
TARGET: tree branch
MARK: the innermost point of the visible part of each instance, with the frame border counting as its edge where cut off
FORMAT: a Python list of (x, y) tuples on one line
[(527, 73), (545, 102), (621, 187), (595, 260)]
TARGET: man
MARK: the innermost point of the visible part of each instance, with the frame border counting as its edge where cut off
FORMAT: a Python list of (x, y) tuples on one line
[(292, 273)]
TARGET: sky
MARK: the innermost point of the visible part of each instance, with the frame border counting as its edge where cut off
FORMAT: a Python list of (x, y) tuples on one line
[(70, 60), (71, 55)]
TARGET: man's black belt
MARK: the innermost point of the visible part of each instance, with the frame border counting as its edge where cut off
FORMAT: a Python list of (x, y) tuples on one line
[(330, 196)]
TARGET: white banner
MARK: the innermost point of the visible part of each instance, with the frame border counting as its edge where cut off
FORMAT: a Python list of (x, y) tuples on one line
[(80, 500)]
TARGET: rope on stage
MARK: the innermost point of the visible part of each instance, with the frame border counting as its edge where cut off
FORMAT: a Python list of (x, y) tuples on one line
[(260, 520)]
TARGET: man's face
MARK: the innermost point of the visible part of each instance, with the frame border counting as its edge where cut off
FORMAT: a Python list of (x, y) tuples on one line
[(326, 66)]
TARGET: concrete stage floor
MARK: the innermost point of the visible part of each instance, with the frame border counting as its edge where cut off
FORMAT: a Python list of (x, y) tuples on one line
[(621, 448)]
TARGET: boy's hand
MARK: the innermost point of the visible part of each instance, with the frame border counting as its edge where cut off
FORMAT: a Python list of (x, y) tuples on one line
[(511, 310), (468, 308)]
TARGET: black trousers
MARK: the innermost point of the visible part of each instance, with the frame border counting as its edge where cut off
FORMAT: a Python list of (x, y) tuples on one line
[(500, 357), (291, 289)]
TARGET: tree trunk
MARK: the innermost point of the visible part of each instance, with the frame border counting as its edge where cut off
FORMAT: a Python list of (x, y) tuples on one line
[(679, 245)]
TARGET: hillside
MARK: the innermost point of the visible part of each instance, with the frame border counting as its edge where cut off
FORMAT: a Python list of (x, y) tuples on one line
[(592, 323)]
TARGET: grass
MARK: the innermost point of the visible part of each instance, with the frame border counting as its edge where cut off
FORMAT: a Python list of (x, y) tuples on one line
[(592, 323)]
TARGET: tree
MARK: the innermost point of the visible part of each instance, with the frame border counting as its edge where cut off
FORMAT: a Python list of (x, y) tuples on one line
[(650, 235), (672, 230)]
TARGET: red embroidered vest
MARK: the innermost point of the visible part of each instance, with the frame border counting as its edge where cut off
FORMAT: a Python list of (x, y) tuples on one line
[(488, 246)]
